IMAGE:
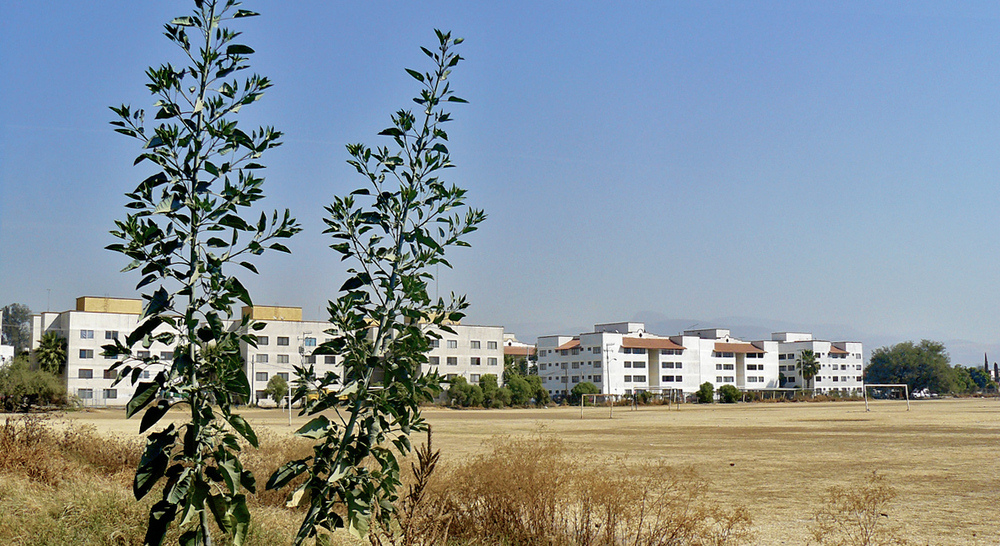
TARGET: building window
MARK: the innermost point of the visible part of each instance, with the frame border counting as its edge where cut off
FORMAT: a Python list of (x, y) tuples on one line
[(110, 374), (86, 334), (491, 344), (597, 350), (452, 344), (85, 394), (85, 373), (728, 379), (639, 378), (718, 379), (282, 359), (718, 366), (597, 365), (727, 366), (474, 378), (262, 340), (145, 374), (666, 365), (638, 364), (142, 354), (260, 358), (110, 394), (282, 341), (109, 356), (491, 361), (166, 355), (283, 375), (474, 344), (260, 376), (86, 353), (311, 359), (435, 361), (453, 361), (435, 343), (111, 334), (575, 379), (597, 379), (678, 378), (628, 364), (576, 365), (667, 379), (475, 361), (628, 378), (329, 359), (309, 342)]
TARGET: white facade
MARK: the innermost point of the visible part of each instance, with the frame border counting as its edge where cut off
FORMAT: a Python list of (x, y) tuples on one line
[(284, 341), (621, 358), (471, 352), (87, 372), (841, 366)]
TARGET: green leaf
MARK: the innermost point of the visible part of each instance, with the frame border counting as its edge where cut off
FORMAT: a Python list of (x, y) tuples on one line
[(245, 13), (153, 415), (314, 429), (241, 426), (160, 516), (416, 75), (241, 517), (286, 473), (237, 49), (183, 21), (153, 463), (144, 394)]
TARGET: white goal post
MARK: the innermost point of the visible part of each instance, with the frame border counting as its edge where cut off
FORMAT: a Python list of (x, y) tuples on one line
[(906, 391), (593, 401)]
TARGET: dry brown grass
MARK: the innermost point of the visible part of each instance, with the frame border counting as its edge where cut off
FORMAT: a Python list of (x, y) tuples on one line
[(779, 460)]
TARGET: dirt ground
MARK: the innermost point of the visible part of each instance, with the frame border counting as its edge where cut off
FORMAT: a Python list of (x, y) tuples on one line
[(778, 459)]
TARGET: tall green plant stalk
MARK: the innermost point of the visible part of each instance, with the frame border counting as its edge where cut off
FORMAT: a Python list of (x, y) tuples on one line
[(185, 236), (393, 230)]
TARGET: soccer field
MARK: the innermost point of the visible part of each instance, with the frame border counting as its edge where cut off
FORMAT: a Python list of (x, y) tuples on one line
[(777, 458)]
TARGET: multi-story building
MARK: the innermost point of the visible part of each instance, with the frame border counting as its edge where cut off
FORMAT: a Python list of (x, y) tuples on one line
[(284, 342), (841, 366), (622, 358), (470, 352)]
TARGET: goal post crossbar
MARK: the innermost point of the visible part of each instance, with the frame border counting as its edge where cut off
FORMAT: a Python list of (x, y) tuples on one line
[(906, 391)]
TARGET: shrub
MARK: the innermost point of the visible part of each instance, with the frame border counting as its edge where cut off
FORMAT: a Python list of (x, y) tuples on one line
[(526, 491), (706, 393), (581, 389), (729, 394), (858, 515), (21, 387)]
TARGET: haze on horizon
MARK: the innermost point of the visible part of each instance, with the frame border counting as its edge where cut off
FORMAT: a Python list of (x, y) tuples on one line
[(819, 164)]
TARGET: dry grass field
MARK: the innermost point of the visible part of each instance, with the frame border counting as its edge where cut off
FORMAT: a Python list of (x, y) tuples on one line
[(777, 459)]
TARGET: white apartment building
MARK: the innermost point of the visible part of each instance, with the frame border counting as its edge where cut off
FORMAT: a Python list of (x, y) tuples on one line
[(284, 342), (841, 366), (471, 352), (622, 358)]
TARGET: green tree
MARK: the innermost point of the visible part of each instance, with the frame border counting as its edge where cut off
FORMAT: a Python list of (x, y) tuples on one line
[(277, 388), (538, 391), (21, 388), (808, 367), (729, 394), (981, 378), (706, 393), (491, 391), (185, 234), (923, 365), (51, 353), (394, 231), (521, 391), (17, 327), (581, 389)]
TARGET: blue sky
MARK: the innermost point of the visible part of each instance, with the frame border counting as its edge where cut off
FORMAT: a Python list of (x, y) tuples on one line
[(831, 164)]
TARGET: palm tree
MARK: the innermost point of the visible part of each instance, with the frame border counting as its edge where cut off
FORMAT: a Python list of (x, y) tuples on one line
[(51, 353), (808, 366)]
